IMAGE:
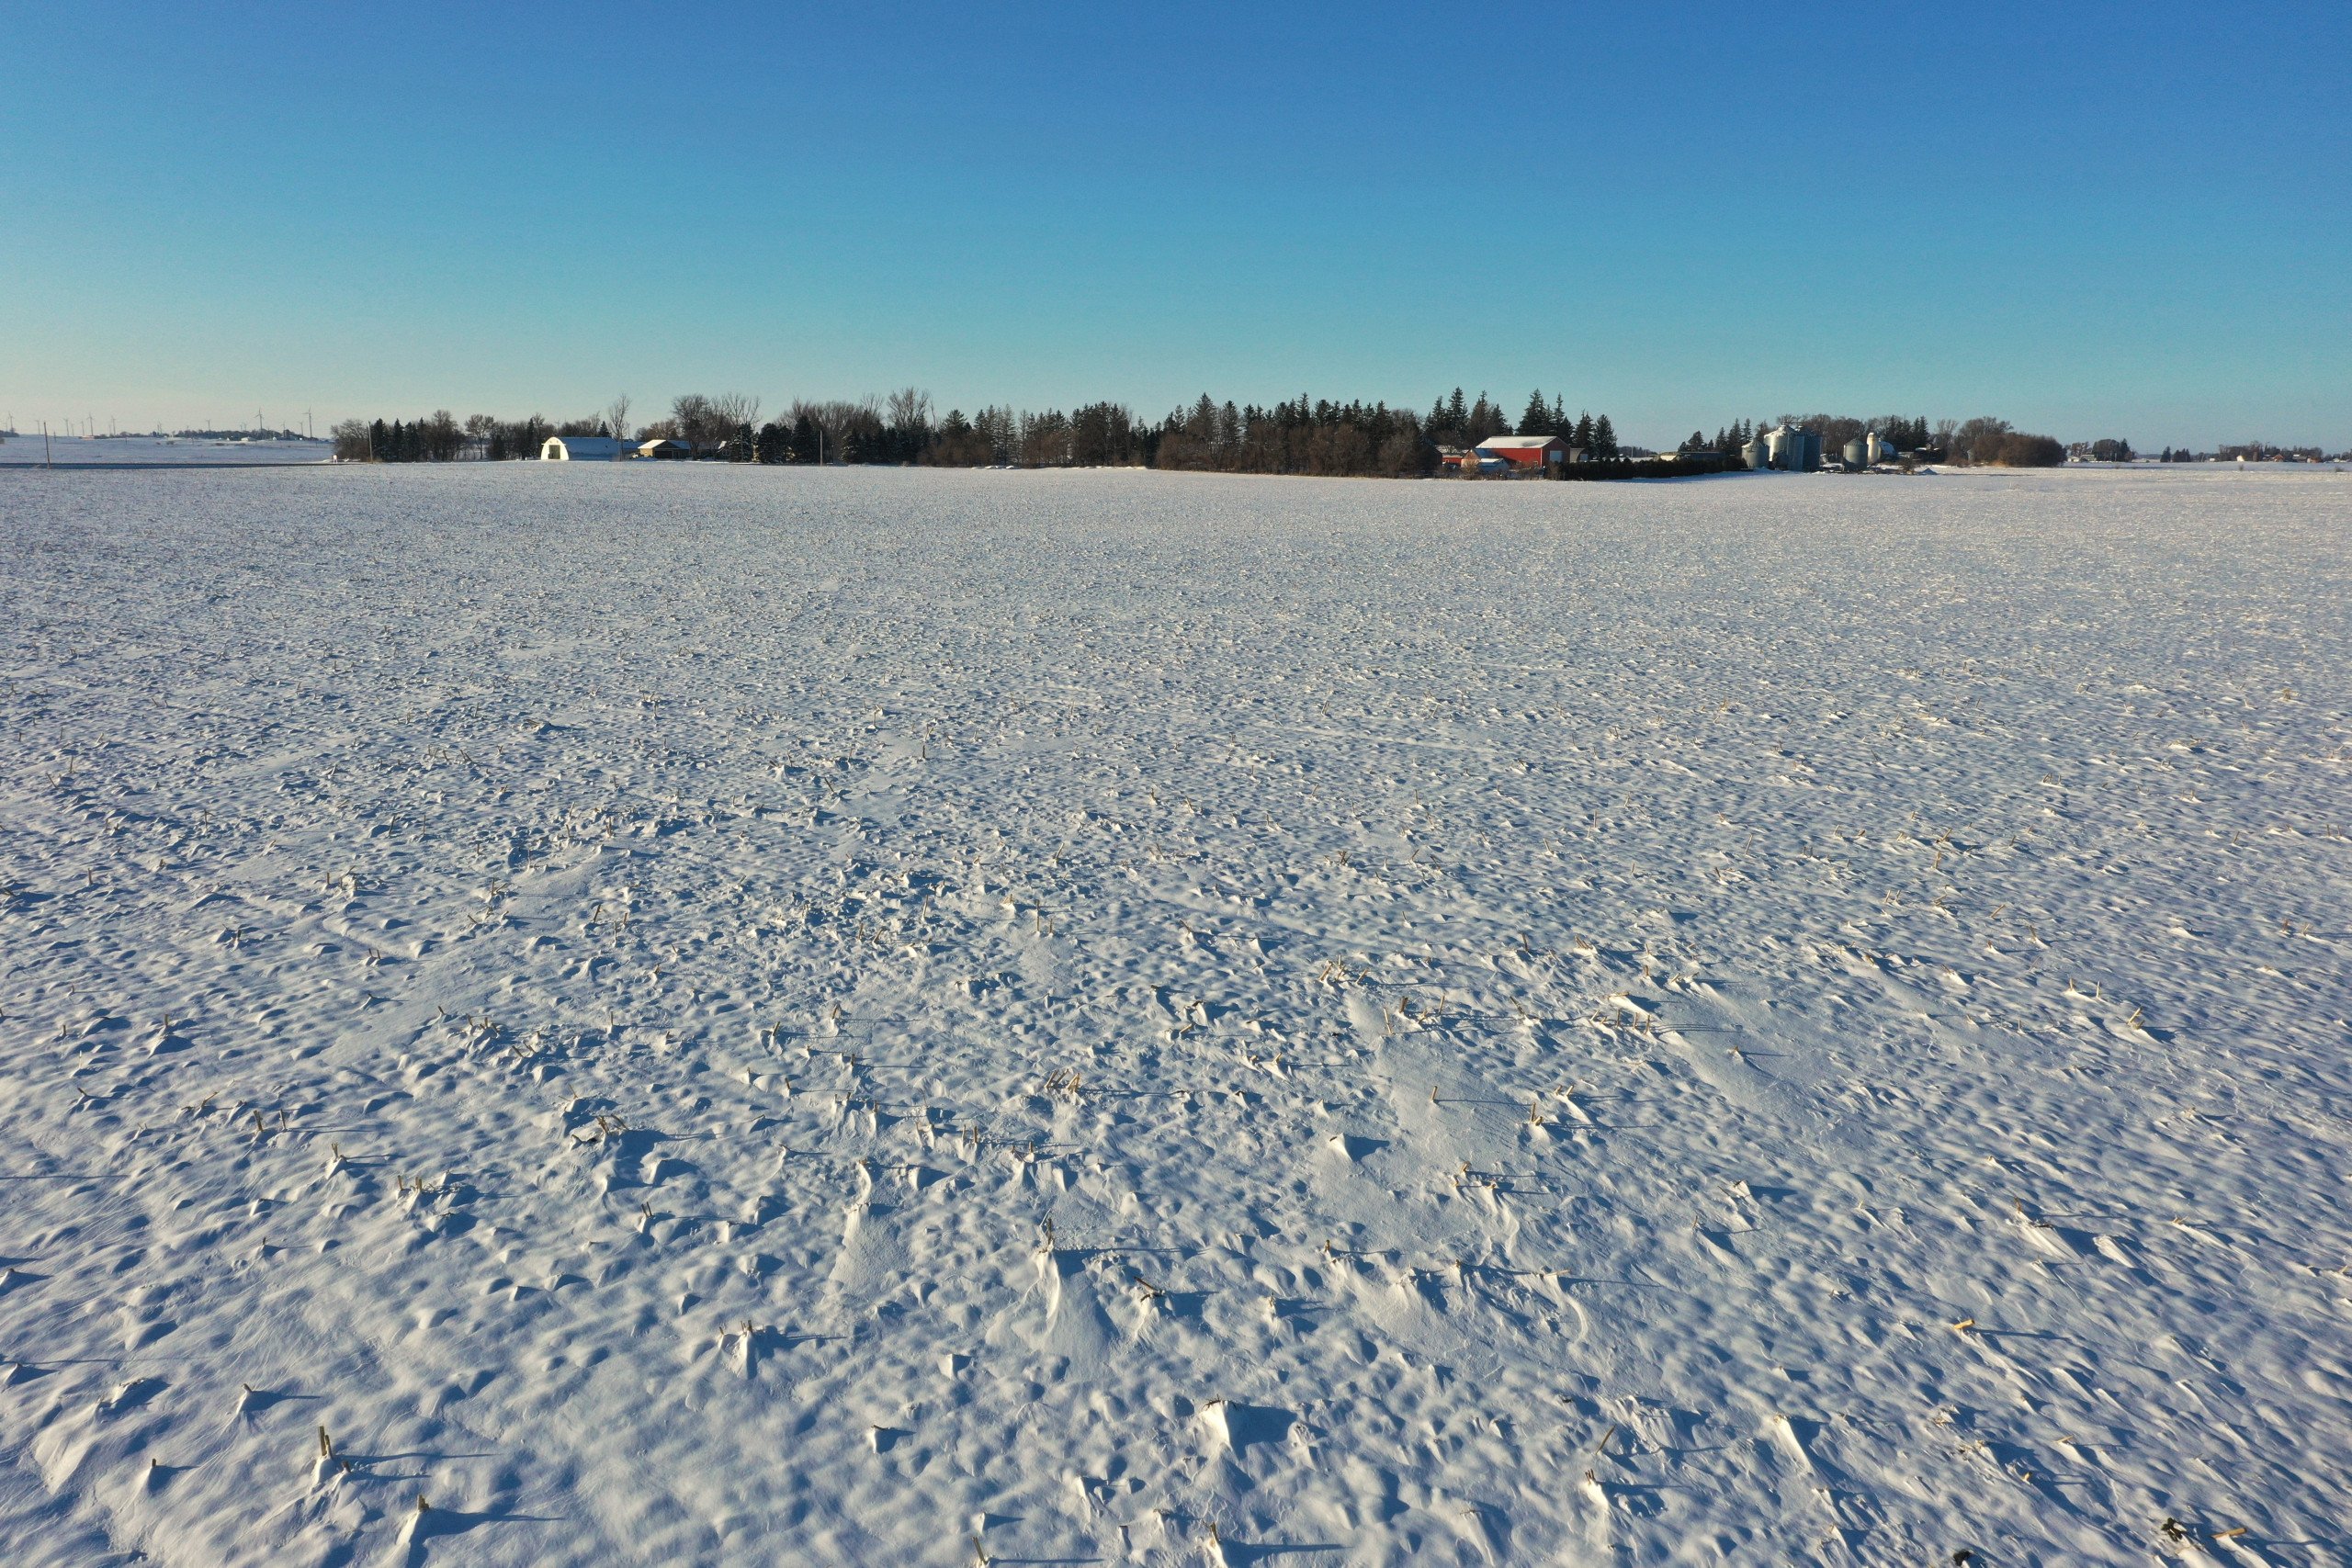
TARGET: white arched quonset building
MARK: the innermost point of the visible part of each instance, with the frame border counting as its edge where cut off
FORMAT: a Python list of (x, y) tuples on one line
[(586, 449), (605, 449)]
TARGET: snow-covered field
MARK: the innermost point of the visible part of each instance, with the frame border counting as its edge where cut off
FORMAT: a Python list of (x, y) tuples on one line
[(677, 1014), (158, 451)]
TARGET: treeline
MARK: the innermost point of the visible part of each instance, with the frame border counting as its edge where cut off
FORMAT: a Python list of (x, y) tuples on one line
[(1984, 441), (438, 437), (2255, 452), (1900, 432), (1996, 443), (1302, 436), (2263, 452), (1452, 424), (1299, 437), (259, 433)]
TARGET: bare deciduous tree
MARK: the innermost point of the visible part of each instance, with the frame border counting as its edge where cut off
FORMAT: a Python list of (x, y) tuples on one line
[(735, 409), (910, 412), (734, 415), (1983, 432), (690, 413), (708, 423), (849, 430), (616, 416)]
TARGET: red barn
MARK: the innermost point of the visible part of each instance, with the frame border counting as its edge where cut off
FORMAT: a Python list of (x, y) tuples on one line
[(1526, 451)]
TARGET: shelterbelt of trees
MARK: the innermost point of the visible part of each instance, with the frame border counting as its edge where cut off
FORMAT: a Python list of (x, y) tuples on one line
[(1982, 441), (1302, 436)]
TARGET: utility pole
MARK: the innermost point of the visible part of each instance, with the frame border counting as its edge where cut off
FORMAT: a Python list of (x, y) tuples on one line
[(45, 461)]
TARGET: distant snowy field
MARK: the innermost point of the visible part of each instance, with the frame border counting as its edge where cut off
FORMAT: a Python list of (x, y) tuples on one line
[(159, 450), (703, 1015)]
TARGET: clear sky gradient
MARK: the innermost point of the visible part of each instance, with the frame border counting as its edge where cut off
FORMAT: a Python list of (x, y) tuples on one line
[(2092, 220)]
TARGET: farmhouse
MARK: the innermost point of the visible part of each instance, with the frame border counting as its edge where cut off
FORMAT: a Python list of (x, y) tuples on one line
[(586, 449), (1537, 452)]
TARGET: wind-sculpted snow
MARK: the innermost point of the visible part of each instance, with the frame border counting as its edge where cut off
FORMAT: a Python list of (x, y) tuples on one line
[(673, 1014)]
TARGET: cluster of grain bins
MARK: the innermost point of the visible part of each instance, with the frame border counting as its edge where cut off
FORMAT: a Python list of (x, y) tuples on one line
[(1797, 450)]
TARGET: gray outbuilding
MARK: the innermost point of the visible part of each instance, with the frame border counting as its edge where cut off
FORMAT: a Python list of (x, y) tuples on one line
[(586, 449)]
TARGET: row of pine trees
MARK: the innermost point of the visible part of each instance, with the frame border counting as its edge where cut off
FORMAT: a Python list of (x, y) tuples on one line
[(1301, 437), (1463, 427)]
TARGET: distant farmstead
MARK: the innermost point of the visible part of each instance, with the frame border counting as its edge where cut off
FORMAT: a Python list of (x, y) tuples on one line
[(1537, 452), (586, 449), (1788, 447), (607, 449)]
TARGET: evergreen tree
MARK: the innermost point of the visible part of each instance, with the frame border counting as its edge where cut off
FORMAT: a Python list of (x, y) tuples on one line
[(1583, 435), (1536, 418), (1604, 436), (1201, 424), (1486, 420)]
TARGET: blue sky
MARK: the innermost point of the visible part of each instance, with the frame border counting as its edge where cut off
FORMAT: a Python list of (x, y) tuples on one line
[(2092, 220)]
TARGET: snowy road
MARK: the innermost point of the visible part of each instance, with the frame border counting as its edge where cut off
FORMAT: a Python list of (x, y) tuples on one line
[(686, 1014)]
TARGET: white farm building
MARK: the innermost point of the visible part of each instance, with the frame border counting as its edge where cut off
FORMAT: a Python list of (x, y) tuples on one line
[(604, 449), (586, 449)]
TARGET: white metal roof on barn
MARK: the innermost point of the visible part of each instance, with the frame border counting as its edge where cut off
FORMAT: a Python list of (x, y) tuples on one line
[(1527, 442)]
